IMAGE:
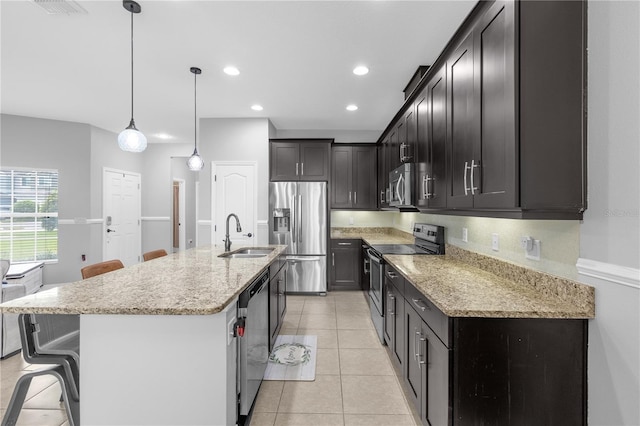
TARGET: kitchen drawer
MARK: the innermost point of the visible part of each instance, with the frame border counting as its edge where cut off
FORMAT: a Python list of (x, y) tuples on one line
[(435, 319), (345, 243), (394, 276)]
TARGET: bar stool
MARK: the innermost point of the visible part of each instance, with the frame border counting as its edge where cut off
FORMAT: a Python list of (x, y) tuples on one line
[(100, 268), (154, 254), (64, 367)]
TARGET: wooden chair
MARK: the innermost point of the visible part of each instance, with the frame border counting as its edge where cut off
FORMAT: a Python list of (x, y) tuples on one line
[(100, 268), (154, 254)]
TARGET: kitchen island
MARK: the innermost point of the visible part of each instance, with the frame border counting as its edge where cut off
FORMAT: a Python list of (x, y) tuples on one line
[(156, 338)]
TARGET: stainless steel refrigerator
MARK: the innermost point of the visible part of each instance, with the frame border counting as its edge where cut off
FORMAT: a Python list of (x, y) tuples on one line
[(298, 219)]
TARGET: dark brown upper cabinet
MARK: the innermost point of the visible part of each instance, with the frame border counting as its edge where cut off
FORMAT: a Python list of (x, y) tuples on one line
[(354, 180), (481, 114), (383, 173), (508, 99), (299, 160), (431, 138)]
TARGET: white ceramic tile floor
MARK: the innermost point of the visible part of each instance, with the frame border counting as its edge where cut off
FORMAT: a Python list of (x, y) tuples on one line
[(355, 383)]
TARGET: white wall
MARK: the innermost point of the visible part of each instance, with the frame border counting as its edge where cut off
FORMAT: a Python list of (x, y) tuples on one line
[(610, 233), (50, 144), (234, 139)]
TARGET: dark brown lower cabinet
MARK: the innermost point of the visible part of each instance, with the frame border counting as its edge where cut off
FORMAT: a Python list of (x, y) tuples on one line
[(345, 264), (394, 322), (491, 371)]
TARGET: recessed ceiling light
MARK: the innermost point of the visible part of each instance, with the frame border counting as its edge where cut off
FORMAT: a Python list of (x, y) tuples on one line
[(231, 70), (352, 107), (360, 70), (257, 107)]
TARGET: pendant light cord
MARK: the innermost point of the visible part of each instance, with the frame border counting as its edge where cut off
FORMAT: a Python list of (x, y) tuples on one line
[(131, 65), (195, 113)]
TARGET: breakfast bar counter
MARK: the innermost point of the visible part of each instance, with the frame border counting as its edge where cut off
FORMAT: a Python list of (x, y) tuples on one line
[(157, 339)]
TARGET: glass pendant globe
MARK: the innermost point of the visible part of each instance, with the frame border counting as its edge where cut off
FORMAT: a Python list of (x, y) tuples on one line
[(195, 162), (132, 140)]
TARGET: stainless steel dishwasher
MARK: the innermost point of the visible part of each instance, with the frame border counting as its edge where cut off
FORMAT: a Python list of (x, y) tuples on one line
[(253, 341)]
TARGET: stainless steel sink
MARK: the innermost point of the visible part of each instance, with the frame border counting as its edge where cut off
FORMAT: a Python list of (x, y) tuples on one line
[(256, 251), (249, 252)]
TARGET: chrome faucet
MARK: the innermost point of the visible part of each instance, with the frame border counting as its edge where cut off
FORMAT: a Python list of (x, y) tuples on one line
[(227, 240)]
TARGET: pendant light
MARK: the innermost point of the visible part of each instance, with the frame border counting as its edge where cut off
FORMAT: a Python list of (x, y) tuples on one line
[(131, 139), (195, 162)]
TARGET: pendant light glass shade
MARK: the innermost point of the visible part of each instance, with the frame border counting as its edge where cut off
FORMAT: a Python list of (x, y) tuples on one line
[(195, 162), (131, 139)]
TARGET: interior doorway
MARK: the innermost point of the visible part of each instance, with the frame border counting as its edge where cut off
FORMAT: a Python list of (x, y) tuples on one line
[(121, 208), (179, 215), (234, 191)]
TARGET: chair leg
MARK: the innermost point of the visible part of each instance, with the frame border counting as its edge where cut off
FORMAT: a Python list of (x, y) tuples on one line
[(17, 400), (72, 405)]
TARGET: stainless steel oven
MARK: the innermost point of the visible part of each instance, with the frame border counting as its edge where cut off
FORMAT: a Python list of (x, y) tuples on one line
[(429, 239)]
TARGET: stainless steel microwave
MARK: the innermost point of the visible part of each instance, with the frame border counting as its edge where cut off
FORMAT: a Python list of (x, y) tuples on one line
[(401, 186)]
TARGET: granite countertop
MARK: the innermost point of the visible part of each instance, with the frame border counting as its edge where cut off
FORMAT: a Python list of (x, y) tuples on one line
[(467, 284), (374, 235), (191, 282), (472, 285)]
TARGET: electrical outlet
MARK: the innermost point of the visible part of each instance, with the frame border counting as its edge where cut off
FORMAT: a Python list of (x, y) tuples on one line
[(534, 253), (526, 243), (350, 220), (465, 235), (495, 242)]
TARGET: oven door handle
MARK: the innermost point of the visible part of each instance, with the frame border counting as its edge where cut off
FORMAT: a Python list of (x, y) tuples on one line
[(373, 257)]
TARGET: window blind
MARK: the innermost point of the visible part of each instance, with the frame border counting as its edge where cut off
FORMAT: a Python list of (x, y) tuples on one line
[(28, 214)]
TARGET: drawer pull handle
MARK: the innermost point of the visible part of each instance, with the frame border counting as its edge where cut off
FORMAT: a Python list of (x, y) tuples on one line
[(392, 275), (344, 244), (420, 304)]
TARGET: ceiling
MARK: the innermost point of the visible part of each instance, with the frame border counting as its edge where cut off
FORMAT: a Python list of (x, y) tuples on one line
[(295, 59)]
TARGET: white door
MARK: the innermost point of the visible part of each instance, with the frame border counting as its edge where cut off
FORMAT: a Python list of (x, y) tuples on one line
[(121, 212), (234, 191), (179, 215)]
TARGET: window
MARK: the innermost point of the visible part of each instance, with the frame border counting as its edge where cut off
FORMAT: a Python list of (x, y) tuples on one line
[(28, 215)]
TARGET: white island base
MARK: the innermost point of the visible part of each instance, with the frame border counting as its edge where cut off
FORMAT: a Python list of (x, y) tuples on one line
[(158, 369)]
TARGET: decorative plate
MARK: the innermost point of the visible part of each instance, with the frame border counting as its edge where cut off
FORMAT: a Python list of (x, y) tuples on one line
[(291, 354)]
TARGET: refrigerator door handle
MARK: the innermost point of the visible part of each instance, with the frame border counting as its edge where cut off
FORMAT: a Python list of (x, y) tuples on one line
[(303, 258), (294, 223), (300, 218)]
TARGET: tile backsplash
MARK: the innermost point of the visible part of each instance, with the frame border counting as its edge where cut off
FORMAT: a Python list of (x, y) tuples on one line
[(560, 239)]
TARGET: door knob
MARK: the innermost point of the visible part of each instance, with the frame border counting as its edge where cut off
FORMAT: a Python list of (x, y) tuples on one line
[(248, 235), (110, 230)]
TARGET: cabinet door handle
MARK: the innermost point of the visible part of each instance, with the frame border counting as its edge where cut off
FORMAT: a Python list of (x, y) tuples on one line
[(349, 197), (422, 355), (415, 338), (420, 304), (333, 259), (473, 166), (464, 179), (297, 169), (355, 197), (429, 195), (301, 169), (381, 197), (391, 296)]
